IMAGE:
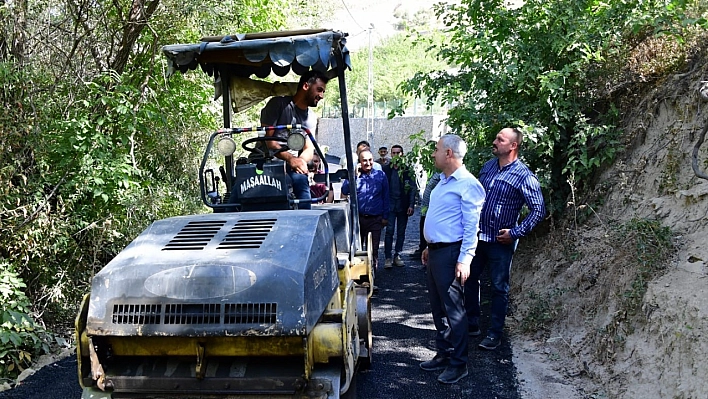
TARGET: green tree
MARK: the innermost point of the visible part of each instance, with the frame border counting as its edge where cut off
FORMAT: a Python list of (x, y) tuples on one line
[(95, 143), (541, 66), (395, 60)]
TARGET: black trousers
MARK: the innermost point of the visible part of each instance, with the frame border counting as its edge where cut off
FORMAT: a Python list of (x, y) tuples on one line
[(371, 224), (447, 302)]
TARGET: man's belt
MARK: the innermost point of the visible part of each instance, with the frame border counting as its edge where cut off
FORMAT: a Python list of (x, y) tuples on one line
[(439, 245), (369, 216)]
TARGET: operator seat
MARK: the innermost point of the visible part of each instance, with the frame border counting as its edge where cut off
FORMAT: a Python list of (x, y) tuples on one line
[(261, 187)]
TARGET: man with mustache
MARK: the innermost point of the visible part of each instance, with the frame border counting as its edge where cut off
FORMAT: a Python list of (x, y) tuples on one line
[(295, 110), (402, 188), (373, 199), (508, 184)]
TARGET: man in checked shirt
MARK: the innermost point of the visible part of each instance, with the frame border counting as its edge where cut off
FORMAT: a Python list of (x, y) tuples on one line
[(508, 184)]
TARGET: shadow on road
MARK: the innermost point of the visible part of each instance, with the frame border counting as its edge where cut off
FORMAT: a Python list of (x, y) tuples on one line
[(404, 337)]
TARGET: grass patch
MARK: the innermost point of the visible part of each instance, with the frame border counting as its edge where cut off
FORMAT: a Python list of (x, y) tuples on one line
[(543, 309), (651, 246)]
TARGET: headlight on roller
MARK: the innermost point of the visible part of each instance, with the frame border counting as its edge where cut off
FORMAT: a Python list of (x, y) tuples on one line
[(296, 141), (226, 146)]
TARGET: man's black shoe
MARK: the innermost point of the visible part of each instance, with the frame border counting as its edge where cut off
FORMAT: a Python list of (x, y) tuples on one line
[(490, 343), (452, 374), (474, 331), (439, 362)]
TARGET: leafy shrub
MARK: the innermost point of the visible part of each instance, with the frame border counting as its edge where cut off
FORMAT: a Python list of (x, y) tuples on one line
[(21, 339), (543, 308), (545, 66)]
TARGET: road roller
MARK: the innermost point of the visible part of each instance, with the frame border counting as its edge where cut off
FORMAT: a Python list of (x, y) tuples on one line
[(256, 297)]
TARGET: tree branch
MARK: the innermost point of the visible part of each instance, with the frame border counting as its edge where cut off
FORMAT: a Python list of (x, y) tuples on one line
[(140, 13), (46, 199), (703, 92), (694, 161)]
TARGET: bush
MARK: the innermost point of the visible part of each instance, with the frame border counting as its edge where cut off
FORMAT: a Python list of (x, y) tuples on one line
[(21, 339)]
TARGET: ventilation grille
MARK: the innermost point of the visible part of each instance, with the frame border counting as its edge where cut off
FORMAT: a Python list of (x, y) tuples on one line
[(194, 236), (207, 313), (202, 313), (136, 314), (248, 234), (250, 313)]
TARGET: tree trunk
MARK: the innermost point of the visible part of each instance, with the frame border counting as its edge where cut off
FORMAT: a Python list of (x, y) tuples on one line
[(13, 31), (140, 13), (559, 187)]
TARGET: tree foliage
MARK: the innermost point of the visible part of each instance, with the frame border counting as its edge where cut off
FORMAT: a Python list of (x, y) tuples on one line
[(20, 336), (394, 60), (95, 143), (538, 66)]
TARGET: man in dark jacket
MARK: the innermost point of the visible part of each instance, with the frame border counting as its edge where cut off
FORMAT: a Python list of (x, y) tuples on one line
[(402, 190)]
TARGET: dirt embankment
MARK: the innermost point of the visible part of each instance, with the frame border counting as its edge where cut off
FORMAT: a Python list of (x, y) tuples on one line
[(617, 297)]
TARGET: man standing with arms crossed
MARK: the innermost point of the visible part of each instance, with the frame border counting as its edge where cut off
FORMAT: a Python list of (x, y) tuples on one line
[(451, 227), (508, 184)]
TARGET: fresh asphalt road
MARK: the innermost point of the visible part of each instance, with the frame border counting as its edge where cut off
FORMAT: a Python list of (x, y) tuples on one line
[(403, 337)]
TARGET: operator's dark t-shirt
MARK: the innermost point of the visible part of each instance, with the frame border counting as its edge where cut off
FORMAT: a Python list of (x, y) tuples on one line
[(282, 111)]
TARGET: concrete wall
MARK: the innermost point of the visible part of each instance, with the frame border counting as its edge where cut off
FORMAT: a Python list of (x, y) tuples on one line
[(386, 132)]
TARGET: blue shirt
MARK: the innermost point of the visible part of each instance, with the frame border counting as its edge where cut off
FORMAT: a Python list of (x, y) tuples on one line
[(371, 193), (507, 190), (453, 212)]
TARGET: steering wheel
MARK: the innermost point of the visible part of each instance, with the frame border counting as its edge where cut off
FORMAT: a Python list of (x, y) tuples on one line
[(258, 153)]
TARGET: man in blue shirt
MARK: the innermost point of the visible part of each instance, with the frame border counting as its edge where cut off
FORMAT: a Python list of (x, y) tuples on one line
[(509, 184), (365, 146), (373, 201), (361, 146), (451, 226)]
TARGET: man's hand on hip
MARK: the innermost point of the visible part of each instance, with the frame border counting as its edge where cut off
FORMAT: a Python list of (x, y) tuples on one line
[(504, 237)]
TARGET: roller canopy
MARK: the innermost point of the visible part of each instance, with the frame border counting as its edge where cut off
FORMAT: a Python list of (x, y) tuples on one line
[(260, 54), (244, 56)]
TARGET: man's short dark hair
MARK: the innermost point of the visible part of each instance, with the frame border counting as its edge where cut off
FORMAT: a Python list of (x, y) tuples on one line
[(366, 143), (383, 148), (310, 77), (397, 146), (519, 135)]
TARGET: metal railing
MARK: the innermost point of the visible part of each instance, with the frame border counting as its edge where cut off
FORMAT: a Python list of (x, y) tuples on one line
[(381, 109)]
